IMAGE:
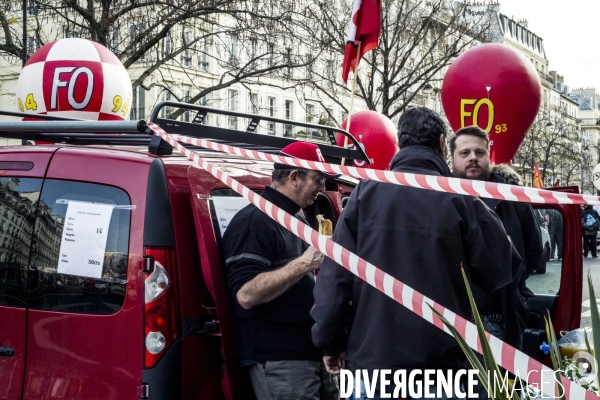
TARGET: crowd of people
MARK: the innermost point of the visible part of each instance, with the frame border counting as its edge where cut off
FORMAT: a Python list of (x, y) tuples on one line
[(295, 334)]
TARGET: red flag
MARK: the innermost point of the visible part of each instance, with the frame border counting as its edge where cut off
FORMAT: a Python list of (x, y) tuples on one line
[(537, 177), (365, 27)]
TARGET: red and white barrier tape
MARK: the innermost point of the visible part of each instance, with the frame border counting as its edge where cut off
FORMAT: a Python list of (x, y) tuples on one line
[(507, 356), (500, 191)]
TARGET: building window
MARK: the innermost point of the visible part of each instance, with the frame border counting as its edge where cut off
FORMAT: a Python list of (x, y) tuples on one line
[(329, 72), (271, 55), (289, 110), (115, 39), (166, 96), (185, 94), (138, 104), (289, 71), (271, 113), (310, 113), (203, 56), (232, 106), (252, 51), (308, 69), (186, 55), (72, 33), (33, 7), (135, 37), (32, 45), (167, 47), (253, 103), (232, 50)]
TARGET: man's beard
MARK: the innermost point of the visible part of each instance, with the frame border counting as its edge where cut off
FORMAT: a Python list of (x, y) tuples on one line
[(484, 174)]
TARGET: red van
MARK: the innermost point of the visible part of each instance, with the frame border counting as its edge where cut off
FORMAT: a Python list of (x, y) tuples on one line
[(111, 278)]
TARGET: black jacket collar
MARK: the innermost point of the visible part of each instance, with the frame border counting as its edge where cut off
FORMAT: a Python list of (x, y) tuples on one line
[(281, 200), (420, 160)]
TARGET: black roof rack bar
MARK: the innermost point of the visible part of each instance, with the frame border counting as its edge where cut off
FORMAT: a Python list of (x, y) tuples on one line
[(232, 135), (74, 127), (210, 132), (38, 116), (80, 138)]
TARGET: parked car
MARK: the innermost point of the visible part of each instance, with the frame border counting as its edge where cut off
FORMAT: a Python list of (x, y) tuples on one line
[(547, 249), (163, 329)]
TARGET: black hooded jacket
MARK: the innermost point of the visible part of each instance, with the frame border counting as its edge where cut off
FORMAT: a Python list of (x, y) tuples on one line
[(420, 237), (511, 301)]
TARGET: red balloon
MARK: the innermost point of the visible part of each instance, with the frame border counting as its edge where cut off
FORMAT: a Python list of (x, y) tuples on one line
[(376, 134), (496, 88)]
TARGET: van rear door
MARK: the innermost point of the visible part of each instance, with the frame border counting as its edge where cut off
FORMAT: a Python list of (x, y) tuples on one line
[(557, 284), (209, 194), (85, 316), (21, 175)]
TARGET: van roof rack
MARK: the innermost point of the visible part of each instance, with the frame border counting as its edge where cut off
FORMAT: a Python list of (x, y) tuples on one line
[(81, 132)]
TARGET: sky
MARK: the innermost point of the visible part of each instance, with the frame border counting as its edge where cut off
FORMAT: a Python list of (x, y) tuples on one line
[(571, 33)]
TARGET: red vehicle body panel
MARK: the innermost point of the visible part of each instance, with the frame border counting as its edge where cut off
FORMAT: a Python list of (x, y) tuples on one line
[(11, 368), (235, 384), (201, 363), (72, 355), (568, 309)]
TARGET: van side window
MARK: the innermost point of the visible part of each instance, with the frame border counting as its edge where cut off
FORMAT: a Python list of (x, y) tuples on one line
[(18, 202), (546, 279), (92, 286), (224, 204)]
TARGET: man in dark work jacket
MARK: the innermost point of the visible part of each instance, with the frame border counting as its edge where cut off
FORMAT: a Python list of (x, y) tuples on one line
[(504, 312), (420, 237), (271, 279)]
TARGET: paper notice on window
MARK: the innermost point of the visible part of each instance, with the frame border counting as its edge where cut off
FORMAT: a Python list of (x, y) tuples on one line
[(84, 239), (226, 207)]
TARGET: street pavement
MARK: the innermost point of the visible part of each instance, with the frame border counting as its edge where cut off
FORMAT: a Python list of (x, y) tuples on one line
[(591, 265), (549, 282)]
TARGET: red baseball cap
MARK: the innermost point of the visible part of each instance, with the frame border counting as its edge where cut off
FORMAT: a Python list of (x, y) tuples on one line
[(304, 151)]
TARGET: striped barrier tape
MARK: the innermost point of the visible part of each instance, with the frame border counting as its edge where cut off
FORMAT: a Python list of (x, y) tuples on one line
[(507, 356), (500, 191)]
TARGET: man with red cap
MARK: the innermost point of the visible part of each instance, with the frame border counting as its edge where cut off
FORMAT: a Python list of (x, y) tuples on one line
[(270, 273)]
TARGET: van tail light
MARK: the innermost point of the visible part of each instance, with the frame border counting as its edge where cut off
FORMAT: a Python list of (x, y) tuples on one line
[(160, 308)]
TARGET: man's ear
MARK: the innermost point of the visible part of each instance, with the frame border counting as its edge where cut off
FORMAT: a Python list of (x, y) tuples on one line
[(293, 177), (443, 149)]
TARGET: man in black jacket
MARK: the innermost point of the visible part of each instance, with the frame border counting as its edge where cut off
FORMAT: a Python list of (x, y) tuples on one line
[(505, 312), (271, 279), (420, 237)]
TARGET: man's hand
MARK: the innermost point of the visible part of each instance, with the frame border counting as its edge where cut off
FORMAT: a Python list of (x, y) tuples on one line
[(333, 364), (312, 259), (271, 284)]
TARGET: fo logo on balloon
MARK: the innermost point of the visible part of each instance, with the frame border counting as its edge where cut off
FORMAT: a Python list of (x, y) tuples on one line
[(496, 88), (75, 78)]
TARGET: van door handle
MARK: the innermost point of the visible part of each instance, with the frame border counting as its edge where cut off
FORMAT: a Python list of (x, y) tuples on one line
[(7, 351)]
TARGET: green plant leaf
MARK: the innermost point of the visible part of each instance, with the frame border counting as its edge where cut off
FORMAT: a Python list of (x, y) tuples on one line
[(553, 343), (504, 392), (595, 321), (587, 342), (490, 363)]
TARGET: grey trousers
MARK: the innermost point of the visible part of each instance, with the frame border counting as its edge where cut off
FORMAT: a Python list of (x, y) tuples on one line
[(293, 380)]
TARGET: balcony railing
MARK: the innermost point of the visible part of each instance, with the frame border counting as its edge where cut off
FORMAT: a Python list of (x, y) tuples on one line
[(590, 122)]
